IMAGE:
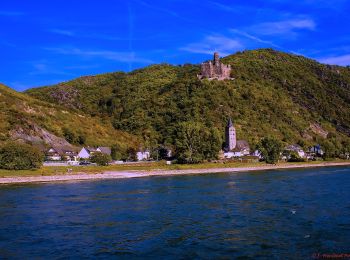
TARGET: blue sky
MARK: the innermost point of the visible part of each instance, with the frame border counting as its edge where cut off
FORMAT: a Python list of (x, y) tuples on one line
[(46, 42)]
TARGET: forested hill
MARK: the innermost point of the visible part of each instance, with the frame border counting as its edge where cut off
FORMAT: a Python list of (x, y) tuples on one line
[(290, 97), (43, 124)]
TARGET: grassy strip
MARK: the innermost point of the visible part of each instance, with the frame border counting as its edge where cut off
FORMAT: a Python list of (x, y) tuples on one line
[(61, 170)]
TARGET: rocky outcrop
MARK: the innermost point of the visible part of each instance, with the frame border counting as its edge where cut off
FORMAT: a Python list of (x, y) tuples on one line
[(66, 96), (37, 135), (317, 129)]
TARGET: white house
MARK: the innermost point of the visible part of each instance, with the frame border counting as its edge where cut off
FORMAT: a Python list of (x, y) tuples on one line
[(241, 149), (61, 154), (232, 154), (53, 155), (143, 155), (105, 150), (86, 152), (316, 149), (257, 153), (69, 155), (297, 149)]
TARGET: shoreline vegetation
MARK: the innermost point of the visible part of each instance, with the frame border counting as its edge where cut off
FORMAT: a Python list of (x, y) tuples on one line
[(66, 174)]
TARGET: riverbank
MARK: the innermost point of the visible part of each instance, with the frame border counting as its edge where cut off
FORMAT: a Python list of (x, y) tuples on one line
[(115, 174)]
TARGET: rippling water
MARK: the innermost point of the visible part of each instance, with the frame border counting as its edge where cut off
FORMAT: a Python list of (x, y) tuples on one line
[(271, 214)]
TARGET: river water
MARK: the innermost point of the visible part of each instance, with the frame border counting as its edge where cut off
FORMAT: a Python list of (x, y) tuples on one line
[(280, 214)]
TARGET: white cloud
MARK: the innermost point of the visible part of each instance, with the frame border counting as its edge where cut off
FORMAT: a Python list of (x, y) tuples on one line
[(284, 27), (62, 32), (253, 37), (334, 4), (82, 67), (104, 54), (157, 8), (11, 13), (212, 43), (109, 37), (43, 67), (221, 6), (8, 44), (342, 60)]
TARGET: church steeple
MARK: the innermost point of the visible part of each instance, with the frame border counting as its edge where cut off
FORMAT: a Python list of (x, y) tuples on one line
[(229, 122), (230, 136)]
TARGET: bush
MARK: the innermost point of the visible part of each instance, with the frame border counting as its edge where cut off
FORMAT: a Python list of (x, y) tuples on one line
[(18, 156), (294, 157), (100, 159)]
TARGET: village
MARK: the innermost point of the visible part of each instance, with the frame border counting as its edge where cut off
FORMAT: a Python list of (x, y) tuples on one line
[(234, 149), (73, 157)]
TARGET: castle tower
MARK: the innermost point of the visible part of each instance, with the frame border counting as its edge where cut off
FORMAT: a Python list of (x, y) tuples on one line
[(230, 136), (216, 59)]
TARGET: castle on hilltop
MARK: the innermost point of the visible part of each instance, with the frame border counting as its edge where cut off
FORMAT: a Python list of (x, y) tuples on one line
[(215, 69)]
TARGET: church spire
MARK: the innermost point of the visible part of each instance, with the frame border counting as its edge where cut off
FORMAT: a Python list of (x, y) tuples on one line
[(229, 122), (230, 136)]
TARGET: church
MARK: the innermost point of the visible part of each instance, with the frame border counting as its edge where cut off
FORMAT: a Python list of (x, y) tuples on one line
[(234, 147)]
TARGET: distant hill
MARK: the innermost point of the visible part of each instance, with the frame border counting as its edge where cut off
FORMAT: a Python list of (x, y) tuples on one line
[(43, 124), (287, 96)]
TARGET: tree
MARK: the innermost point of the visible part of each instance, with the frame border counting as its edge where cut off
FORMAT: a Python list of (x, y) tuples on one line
[(100, 159), (72, 137), (195, 142), (118, 152), (330, 150), (212, 144), (270, 148), (346, 147), (188, 142), (131, 154), (19, 156), (162, 153), (81, 139), (69, 135)]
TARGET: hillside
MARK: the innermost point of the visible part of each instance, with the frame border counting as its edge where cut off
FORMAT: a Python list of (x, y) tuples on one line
[(43, 124), (290, 97), (83, 93)]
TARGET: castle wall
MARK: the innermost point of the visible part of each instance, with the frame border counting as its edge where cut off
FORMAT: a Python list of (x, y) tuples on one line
[(215, 69)]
